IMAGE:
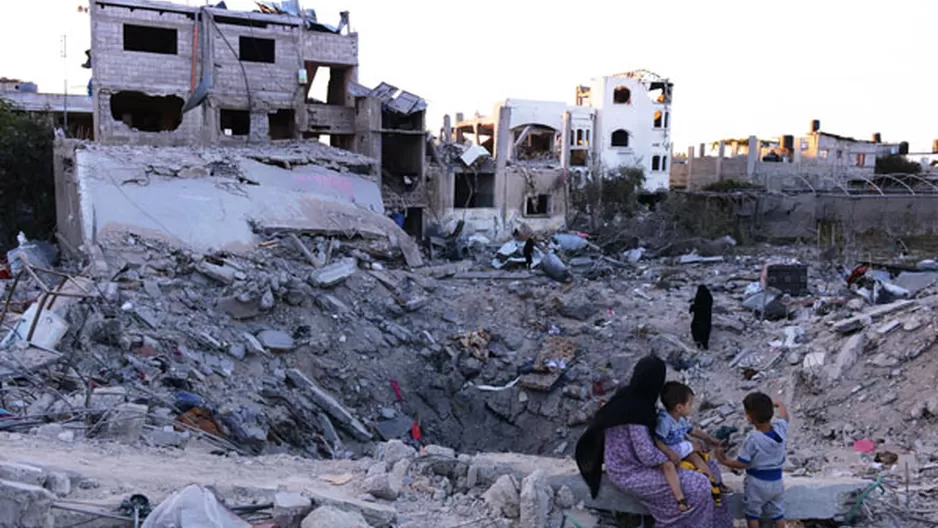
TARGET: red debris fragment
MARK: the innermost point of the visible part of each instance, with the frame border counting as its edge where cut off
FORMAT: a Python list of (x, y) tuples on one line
[(415, 431), (397, 390)]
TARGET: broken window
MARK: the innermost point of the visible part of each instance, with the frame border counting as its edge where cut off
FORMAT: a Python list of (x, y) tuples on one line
[(660, 92), (822, 154), (658, 118), (150, 39), (534, 142), (281, 124), (667, 117), (656, 162), (579, 158), (620, 138), (473, 191), (579, 137), (252, 49), (861, 160), (538, 205), (147, 113), (664, 163), (234, 122), (621, 95)]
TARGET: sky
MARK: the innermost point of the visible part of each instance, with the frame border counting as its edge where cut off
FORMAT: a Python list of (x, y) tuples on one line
[(739, 67)]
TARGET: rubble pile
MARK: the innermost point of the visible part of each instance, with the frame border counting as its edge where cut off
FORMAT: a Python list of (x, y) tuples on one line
[(320, 347)]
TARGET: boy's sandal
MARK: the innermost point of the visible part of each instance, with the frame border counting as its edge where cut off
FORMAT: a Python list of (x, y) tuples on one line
[(682, 505)]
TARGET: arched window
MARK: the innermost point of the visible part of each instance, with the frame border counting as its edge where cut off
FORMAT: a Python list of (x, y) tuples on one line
[(620, 138), (658, 118), (664, 163), (621, 95), (667, 119), (656, 162)]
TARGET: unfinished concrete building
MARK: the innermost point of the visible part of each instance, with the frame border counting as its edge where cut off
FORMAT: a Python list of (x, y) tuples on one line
[(211, 118), (819, 160), (170, 74), (539, 149)]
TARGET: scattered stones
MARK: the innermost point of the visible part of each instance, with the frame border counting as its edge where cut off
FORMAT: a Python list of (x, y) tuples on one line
[(22, 473), (564, 498), (847, 356), (884, 359), (290, 509), (383, 486), (378, 515), (25, 505), (333, 274), (503, 497), (394, 451), (332, 517), (126, 421), (535, 501), (276, 340), (222, 274)]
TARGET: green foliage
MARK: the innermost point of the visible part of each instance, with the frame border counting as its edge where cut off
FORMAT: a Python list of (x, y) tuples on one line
[(27, 184), (700, 216), (616, 195), (730, 186), (896, 164)]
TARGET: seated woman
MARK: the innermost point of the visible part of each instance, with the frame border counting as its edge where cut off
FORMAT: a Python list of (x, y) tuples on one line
[(620, 435)]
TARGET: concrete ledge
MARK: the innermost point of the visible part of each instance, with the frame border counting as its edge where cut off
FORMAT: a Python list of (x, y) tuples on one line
[(805, 498)]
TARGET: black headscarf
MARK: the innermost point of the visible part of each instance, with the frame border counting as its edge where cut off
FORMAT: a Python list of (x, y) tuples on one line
[(632, 404)]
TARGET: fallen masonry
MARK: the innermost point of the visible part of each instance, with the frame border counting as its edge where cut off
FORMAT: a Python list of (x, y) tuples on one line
[(437, 486), (256, 349)]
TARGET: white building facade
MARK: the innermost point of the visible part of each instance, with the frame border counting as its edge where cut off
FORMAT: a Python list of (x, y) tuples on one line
[(632, 123)]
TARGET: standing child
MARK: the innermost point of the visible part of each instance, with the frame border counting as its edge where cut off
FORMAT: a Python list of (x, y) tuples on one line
[(762, 455), (671, 439)]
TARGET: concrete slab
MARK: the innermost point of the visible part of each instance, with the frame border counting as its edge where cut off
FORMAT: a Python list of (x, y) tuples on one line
[(182, 195), (23, 505)]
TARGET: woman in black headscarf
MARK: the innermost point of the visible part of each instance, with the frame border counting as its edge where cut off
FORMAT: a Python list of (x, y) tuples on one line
[(620, 437)]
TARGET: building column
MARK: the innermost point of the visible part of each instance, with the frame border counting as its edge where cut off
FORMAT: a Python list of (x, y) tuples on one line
[(690, 166), (796, 147), (703, 150), (447, 129), (720, 153), (502, 142), (753, 157)]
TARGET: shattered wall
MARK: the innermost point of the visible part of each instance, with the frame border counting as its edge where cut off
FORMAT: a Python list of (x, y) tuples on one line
[(117, 70), (149, 57), (512, 187)]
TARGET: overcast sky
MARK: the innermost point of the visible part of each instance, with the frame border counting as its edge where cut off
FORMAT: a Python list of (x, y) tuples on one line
[(739, 67)]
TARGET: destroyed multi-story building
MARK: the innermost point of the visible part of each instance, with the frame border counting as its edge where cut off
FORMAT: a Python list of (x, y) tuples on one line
[(542, 148), (213, 86)]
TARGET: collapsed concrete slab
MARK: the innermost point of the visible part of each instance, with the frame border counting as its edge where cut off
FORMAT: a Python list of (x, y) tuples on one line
[(219, 198), (25, 505)]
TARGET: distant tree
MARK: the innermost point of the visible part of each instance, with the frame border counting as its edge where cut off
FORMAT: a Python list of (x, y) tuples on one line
[(896, 164), (27, 184)]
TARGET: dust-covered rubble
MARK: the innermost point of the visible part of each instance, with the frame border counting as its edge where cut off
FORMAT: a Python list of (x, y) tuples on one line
[(269, 352)]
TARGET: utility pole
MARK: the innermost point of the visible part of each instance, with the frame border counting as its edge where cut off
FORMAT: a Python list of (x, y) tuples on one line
[(65, 81)]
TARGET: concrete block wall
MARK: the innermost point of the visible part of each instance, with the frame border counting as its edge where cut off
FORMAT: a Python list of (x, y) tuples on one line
[(338, 119), (276, 84), (116, 70), (272, 86), (329, 48)]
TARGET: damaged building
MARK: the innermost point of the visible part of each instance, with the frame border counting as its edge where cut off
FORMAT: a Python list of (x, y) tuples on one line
[(817, 161), (218, 116), (516, 166)]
